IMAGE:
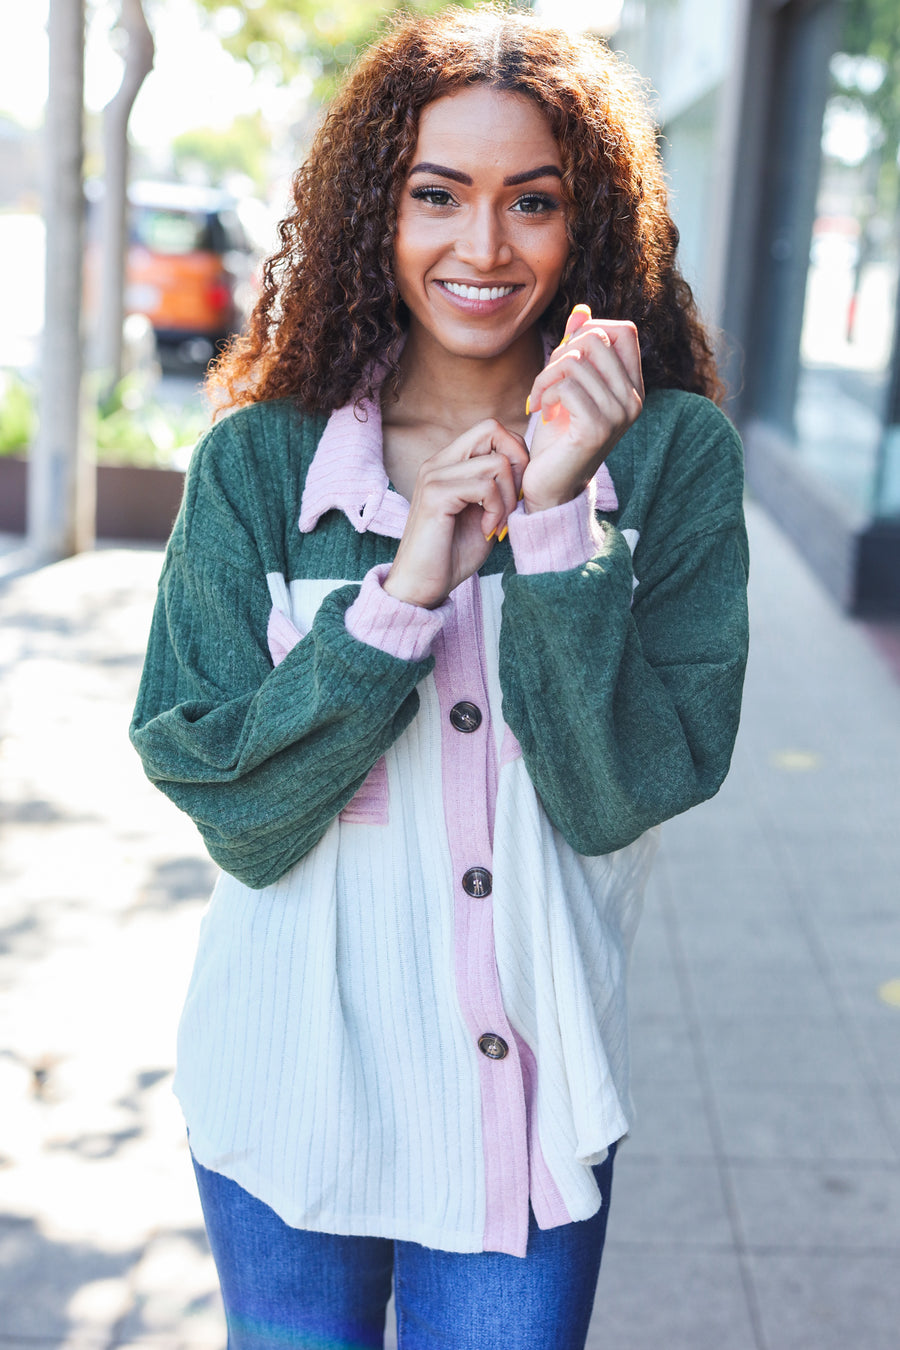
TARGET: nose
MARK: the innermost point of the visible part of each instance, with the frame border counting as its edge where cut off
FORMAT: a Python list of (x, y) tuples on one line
[(482, 242)]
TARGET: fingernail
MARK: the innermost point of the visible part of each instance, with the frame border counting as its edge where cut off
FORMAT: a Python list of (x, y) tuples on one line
[(528, 406), (489, 537), (521, 494), (503, 533), (582, 309)]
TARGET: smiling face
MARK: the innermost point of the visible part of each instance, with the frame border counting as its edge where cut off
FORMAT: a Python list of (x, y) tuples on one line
[(481, 241)]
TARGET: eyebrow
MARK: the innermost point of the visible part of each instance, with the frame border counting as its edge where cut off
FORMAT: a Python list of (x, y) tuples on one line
[(514, 180)]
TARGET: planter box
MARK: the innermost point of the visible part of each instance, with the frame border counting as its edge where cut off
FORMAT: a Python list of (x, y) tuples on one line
[(13, 487), (131, 503)]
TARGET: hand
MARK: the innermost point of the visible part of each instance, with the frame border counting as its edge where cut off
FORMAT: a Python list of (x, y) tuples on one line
[(462, 499), (589, 394)]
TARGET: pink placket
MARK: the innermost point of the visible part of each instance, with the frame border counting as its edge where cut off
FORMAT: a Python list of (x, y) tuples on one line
[(469, 764)]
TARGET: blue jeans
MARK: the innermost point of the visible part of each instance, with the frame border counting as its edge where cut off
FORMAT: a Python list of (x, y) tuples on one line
[(285, 1288)]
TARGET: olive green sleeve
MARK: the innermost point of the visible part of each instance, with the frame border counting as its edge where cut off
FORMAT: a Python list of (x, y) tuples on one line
[(626, 701), (261, 758)]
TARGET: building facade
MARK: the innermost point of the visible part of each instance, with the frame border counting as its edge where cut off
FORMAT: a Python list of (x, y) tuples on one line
[(781, 124)]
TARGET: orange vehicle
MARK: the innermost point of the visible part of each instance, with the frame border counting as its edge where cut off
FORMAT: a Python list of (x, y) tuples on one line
[(190, 265)]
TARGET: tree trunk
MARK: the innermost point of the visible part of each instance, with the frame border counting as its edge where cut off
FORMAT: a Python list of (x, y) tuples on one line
[(60, 488), (113, 218)]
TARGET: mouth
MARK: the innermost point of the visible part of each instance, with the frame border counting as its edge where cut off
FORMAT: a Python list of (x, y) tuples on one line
[(464, 292)]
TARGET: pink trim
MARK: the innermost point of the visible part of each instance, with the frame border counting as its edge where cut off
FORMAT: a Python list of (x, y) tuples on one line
[(546, 1201), (605, 498), (370, 803), (281, 635), (381, 620), (555, 540), (470, 786), (510, 748)]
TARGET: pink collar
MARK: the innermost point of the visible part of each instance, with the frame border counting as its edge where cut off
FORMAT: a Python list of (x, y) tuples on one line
[(347, 474)]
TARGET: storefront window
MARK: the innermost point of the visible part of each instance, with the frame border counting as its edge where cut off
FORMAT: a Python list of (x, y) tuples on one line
[(843, 407)]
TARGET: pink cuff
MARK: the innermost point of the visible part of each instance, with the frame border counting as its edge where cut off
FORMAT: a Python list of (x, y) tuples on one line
[(400, 629), (555, 540)]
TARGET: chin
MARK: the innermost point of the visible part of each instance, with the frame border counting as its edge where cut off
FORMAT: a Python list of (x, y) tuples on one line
[(481, 345)]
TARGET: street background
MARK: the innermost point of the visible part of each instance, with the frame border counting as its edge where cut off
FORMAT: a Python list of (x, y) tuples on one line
[(757, 1204)]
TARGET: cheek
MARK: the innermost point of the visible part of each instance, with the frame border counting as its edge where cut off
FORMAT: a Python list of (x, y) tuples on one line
[(555, 255), (408, 256)]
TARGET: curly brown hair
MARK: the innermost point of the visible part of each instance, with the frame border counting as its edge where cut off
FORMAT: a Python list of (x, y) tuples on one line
[(329, 309)]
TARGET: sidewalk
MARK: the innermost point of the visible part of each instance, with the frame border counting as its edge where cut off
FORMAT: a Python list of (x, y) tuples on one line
[(757, 1204)]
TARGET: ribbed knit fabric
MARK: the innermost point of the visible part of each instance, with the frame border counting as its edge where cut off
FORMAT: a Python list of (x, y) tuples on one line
[(329, 1053)]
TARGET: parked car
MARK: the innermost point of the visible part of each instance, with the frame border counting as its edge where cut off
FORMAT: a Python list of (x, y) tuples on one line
[(190, 265)]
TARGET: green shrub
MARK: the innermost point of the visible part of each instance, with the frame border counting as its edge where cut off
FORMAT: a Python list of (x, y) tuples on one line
[(130, 428), (126, 428), (18, 416)]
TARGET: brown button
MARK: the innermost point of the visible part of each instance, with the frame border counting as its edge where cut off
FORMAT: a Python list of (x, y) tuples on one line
[(477, 882), (465, 716), (494, 1047)]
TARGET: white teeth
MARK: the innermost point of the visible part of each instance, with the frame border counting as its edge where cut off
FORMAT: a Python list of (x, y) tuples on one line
[(478, 292)]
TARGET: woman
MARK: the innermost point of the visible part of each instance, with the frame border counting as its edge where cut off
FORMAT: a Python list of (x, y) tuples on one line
[(452, 617)]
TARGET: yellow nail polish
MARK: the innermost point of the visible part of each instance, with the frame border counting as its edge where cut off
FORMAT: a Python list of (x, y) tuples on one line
[(503, 533), (582, 309), (489, 537), (521, 494), (528, 406)]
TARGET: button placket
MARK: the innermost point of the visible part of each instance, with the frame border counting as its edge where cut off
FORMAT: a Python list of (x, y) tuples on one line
[(470, 786)]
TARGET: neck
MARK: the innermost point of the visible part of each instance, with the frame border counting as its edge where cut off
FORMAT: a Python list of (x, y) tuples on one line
[(481, 387)]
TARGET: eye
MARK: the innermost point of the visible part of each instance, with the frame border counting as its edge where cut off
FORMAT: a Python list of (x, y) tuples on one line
[(535, 203), (434, 196)]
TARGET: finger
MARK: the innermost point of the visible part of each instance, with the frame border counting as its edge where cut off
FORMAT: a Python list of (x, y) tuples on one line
[(591, 359), (580, 315), (482, 439), (600, 367), (487, 481), (619, 334), (595, 406), (503, 498), (497, 439), (496, 480), (624, 337)]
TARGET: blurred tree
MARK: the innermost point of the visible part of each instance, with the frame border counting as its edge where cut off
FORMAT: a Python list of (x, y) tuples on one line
[(866, 88), (138, 62), (305, 38), (60, 497), (871, 35), (241, 148)]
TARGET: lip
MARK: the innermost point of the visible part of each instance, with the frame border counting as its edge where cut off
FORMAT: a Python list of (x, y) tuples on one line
[(468, 306)]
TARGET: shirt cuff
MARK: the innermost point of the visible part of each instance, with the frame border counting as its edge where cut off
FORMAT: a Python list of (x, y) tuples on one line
[(396, 627), (556, 540)]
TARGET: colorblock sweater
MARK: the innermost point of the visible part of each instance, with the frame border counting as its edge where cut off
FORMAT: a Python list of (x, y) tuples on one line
[(407, 1015)]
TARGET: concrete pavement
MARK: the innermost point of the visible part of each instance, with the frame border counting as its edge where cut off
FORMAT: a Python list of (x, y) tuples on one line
[(757, 1204)]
